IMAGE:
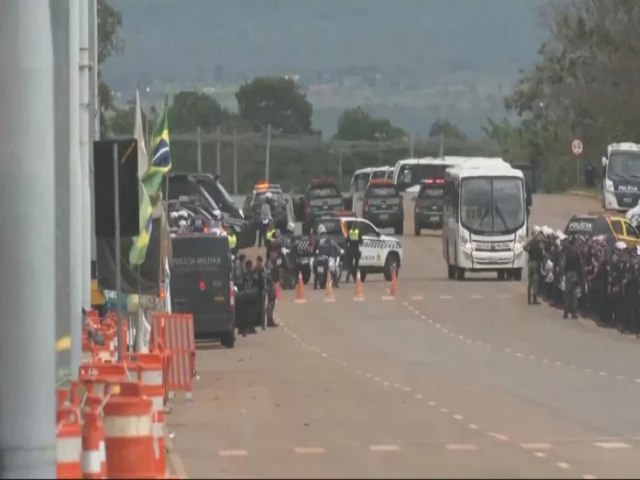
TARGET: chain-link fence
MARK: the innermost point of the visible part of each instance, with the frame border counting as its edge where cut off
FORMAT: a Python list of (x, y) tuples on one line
[(294, 159)]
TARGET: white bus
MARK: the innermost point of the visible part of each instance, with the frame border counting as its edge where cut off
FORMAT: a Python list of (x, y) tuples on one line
[(485, 219), (621, 183)]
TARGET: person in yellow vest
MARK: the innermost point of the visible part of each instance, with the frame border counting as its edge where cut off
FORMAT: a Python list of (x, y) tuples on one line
[(268, 237), (354, 241), (233, 241)]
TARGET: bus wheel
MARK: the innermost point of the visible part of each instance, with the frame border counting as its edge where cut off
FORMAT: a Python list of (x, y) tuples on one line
[(460, 273), (451, 272)]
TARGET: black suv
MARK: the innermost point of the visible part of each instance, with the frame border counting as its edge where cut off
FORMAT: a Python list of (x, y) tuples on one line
[(382, 205), (321, 197), (429, 205)]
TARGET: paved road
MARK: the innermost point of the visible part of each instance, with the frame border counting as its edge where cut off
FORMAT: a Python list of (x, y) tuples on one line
[(450, 379)]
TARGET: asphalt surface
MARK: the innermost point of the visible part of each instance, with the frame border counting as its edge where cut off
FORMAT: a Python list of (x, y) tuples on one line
[(449, 379)]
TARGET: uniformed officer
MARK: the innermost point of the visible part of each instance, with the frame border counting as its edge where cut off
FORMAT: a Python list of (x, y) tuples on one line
[(573, 270), (535, 249), (354, 242), (270, 290), (269, 236)]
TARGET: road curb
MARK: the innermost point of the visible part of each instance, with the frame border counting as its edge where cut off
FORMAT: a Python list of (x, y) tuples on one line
[(580, 193), (174, 463)]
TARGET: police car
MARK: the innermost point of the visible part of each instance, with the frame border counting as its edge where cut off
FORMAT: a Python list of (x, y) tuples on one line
[(321, 197), (378, 253), (382, 205)]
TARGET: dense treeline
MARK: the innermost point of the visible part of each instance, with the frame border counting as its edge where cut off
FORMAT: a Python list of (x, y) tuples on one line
[(584, 85)]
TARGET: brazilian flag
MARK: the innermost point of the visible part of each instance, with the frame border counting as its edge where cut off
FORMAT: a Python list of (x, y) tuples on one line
[(160, 163)]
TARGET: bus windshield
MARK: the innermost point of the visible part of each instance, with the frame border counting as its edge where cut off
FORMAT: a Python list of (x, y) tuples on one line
[(623, 165), (492, 205)]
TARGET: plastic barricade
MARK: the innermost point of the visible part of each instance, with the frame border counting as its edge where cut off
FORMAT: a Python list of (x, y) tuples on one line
[(175, 332)]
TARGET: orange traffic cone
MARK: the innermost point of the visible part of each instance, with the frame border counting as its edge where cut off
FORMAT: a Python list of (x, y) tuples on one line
[(300, 290), (359, 297), (328, 291), (393, 290)]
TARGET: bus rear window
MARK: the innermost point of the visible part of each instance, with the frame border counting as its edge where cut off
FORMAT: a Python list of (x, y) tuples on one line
[(382, 191), (324, 192), (435, 191)]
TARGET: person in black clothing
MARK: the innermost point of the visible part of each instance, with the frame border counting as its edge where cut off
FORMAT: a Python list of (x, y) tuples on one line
[(573, 270), (535, 249)]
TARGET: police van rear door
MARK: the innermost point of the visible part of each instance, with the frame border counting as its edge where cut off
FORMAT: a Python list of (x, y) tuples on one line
[(201, 281), (324, 197), (431, 196), (383, 198)]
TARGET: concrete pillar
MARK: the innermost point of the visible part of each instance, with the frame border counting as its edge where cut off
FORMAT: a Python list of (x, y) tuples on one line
[(27, 241)]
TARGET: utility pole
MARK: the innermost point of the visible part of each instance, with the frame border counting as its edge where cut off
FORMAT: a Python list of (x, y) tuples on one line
[(199, 148), (27, 183), (340, 168), (95, 121), (76, 190), (268, 152), (218, 150), (235, 163), (85, 140), (60, 36)]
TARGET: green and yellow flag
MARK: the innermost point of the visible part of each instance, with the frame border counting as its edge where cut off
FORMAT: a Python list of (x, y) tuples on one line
[(161, 160), (138, 250)]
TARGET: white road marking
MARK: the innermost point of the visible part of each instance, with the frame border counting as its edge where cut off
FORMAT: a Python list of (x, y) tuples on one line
[(444, 410), (620, 377), (329, 300), (457, 417), (445, 330), (233, 453), (499, 436), (518, 354), (588, 477), (602, 373), (507, 349), (461, 337), (476, 296), (439, 326), (423, 317), (588, 370), (386, 384), (303, 300), (563, 465), (637, 380), (384, 448), (405, 304), (397, 385), (376, 379), (611, 445), (407, 389), (460, 446), (432, 403), (559, 364), (536, 446), (473, 426), (325, 355), (446, 297), (309, 450), (544, 360), (417, 297), (540, 454), (358, 299), (387, 298), (418, 396), (368, 375)]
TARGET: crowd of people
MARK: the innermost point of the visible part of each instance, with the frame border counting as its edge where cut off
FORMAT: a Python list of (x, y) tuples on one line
[(256, 293), (587, 275)]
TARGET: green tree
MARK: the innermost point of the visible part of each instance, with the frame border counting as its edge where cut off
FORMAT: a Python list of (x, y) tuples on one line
[(277, 101), (447, 129), (109, 43), (356, 124), (190, 110)]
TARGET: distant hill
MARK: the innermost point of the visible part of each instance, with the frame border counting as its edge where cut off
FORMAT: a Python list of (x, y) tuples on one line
[(410, 60)]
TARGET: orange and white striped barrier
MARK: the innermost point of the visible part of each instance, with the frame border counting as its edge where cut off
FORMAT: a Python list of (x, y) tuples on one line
[(129, 434), (150, 374), (94, 376), (93, 440), (179, 339), (68, 443)]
